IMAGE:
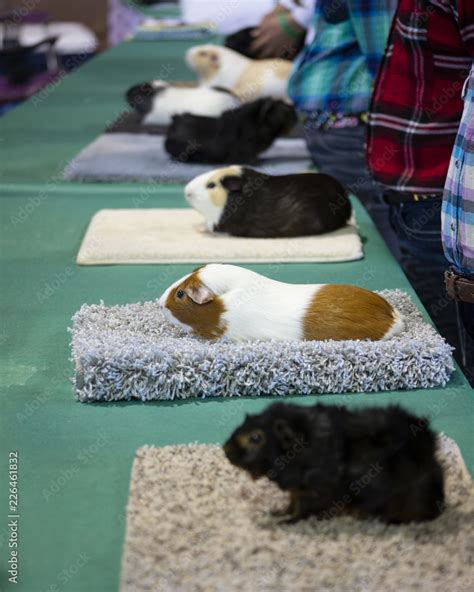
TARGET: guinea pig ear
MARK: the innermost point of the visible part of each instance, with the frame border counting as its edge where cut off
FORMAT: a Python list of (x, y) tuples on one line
[(284, 433), (199, 294), (232, 182)]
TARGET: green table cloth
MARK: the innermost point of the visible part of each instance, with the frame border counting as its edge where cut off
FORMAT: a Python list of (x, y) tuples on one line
[(75, 459), (42, 135)]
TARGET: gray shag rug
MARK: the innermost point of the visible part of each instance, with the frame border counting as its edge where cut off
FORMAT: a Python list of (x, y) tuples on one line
[(195, 523), (142, 157), (132, 352)]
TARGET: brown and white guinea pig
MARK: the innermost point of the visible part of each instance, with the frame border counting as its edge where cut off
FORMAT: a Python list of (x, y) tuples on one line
[(233, 302), (157, 101), (244, 202), (237, 136), (248, 79)]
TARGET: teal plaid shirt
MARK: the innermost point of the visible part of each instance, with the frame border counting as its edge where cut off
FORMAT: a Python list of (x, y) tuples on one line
[(336, 72)]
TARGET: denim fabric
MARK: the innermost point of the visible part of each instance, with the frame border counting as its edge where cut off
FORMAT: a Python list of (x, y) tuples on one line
[(418, 228), (341, 153)]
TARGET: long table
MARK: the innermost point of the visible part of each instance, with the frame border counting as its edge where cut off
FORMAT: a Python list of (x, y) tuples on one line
[(75, 459)]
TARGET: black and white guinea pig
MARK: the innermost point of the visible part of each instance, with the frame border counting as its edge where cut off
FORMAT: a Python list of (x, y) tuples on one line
[(247, 78), (244, 202), (241, 41), (159, 100), (233, 302), (237, 136)]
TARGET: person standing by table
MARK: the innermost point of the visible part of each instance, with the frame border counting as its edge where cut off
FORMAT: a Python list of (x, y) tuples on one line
[(331, 85), (457, 226), (415, 114)]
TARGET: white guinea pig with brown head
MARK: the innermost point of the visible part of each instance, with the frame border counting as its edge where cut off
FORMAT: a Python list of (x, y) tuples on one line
[(158, 101), (229, 301), (248, 79)]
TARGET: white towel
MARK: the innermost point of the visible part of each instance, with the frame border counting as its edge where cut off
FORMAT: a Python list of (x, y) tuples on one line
[(178, 236)]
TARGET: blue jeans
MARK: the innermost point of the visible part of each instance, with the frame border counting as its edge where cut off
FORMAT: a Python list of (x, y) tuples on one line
[(417, 226), (341, 153), (465, 318)]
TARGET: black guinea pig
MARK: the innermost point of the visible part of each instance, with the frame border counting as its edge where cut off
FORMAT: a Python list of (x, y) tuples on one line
[(375, 462), (236, 136), (244, 202)]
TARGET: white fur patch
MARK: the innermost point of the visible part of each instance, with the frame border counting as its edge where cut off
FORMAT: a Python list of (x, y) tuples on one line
[(198, 195), (248, 79), (231, 66), (397, 327), (198, 101), (258, 307)]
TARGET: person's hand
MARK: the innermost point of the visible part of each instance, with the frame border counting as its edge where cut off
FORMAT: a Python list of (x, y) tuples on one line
[(271, 40)]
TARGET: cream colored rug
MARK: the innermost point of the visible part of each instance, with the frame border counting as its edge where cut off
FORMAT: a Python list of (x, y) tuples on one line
[(178, 236), (196, 523)]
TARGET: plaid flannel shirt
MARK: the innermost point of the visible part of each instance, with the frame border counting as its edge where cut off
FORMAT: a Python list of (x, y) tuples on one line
[(417, 106), (457, 214), (336, 72)]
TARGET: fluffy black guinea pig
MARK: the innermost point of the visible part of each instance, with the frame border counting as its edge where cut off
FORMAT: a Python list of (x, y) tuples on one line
[(236, 136), (244, 202), (370, 463), (242, 40)]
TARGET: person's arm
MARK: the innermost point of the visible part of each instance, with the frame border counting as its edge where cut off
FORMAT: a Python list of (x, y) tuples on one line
[(278, 33), (371, 20)]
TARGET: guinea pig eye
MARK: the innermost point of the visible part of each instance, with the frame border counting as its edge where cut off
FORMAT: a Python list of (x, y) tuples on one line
[(211, 185), (179, 293), (256, 438)]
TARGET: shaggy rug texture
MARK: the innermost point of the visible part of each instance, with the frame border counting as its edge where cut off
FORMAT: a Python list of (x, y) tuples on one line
[(132, 352), (132, 236), (142, 157), (196, 523)]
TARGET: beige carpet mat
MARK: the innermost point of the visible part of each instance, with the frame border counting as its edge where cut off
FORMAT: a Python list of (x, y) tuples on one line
[(196, 523), (136, 236)]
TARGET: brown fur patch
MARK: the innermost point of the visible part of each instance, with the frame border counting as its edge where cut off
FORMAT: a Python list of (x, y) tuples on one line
[(204, 319), (218, 193), (347, 312)]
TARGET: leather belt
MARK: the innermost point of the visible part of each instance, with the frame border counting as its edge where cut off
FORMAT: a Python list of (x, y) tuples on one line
[(459, 287), (398, 197)]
